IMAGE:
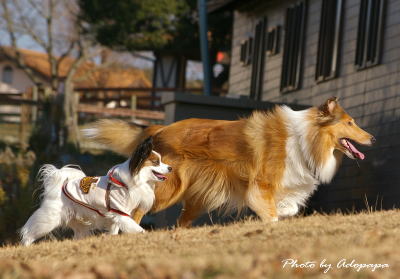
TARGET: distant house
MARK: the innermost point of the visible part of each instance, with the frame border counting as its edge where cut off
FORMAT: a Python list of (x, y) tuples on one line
[(14, 80), (306, 51), (88, 75)]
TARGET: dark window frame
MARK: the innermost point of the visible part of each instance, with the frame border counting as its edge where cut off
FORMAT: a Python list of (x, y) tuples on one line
[(273, 40), (370, 33), (246, 50), (329, 41), (7, 74), (258, 58), (293, 53)]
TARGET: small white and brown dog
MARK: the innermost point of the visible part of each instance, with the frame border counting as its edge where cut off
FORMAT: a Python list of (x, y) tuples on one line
[(72, 199)]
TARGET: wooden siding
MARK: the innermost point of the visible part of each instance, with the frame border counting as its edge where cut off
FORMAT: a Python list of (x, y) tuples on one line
[(371, 96)]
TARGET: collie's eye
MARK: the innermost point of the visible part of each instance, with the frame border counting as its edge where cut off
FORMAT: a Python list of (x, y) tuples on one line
[(350, 123), (156, 162)]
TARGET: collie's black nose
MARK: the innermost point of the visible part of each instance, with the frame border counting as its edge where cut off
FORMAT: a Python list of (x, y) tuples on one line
[(169, 169), (373, 139)]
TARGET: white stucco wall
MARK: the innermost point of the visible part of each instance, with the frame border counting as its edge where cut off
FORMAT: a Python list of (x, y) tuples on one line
[(20, 81)]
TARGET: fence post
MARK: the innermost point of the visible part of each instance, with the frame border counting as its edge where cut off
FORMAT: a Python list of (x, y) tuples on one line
[(133, 105), (35, 108), (75, 113), (24, 125)]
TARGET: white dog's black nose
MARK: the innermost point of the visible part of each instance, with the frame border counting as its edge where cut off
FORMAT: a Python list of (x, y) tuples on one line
[(169, 169)]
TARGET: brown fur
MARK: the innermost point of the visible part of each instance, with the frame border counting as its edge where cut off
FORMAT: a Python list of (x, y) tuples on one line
[(332, 124), (228, 164)]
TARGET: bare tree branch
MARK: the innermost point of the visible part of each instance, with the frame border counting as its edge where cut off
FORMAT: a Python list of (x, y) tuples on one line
[(64, 55), (27, 26), (50, 50), (37, 10), (56, 28)]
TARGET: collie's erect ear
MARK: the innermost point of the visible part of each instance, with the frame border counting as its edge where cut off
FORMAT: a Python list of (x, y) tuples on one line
[(329, 106), (140, 155), (330, 110)]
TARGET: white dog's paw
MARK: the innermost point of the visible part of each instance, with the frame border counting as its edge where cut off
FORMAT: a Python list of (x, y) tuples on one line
[(26, 242), (274, 219)]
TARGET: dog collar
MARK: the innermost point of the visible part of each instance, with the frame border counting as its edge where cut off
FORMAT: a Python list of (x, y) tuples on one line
[(116, 181)]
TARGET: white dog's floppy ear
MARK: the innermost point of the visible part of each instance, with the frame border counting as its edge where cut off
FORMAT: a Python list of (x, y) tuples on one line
[(140, 155)]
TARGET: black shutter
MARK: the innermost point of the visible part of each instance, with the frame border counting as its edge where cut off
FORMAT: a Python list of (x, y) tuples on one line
[(329, 40), (257, 72), (273, 40), (246, 50), (293, 47), (243, 52), (370, 33), (249, 51)]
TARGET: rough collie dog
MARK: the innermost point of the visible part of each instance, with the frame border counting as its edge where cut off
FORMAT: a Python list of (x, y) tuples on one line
[(271, 162), (71, 199)]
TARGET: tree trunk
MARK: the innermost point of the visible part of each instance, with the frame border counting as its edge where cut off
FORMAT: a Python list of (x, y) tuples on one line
[(71, 129)]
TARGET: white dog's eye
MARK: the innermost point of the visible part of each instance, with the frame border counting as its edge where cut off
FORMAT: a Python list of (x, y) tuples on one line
[(155, 162)]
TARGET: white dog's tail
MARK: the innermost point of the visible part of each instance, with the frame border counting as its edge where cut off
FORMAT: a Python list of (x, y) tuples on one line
[(49, 215), (53, 178)]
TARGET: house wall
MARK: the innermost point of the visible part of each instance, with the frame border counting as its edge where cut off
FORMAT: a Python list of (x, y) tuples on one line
[(371, 96), (21, 81)]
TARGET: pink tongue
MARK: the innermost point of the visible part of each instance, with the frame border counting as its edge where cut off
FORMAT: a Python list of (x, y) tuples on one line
[(355, 151), (161, 176)]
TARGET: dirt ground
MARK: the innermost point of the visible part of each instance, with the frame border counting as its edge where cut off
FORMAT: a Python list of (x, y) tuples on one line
[(364, 245)]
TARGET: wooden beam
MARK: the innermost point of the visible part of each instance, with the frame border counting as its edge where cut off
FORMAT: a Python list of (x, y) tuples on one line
[(146, 114), (142, 89), (16, 99)]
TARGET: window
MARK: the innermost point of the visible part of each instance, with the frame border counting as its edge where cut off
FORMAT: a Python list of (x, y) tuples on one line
[(257, 72), (246, 48), (273, 41), (329, 40), (293, 47), (7, 75), (370, 33)]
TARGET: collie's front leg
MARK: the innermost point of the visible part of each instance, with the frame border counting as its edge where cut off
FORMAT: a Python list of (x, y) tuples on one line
[(190, 211), (128, 225), (138, 215), (260, 198)]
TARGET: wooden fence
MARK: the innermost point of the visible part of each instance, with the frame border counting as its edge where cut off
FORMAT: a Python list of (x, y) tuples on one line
[(19, 110)]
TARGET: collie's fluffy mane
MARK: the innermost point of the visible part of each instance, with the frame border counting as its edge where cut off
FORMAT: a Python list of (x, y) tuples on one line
[(317, 148)]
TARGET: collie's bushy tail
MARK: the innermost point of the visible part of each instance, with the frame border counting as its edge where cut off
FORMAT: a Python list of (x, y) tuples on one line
[(52, 179), (120, 136)]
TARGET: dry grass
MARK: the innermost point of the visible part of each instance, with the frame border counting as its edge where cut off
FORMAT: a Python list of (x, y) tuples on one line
[(248, 249)]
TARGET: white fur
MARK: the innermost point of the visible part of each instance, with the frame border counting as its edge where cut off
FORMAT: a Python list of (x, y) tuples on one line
[(302, 175), (90, 132), (56, 210)]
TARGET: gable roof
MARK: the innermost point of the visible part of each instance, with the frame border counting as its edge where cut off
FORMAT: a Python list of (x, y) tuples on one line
[(112, 76), (87, 75)]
